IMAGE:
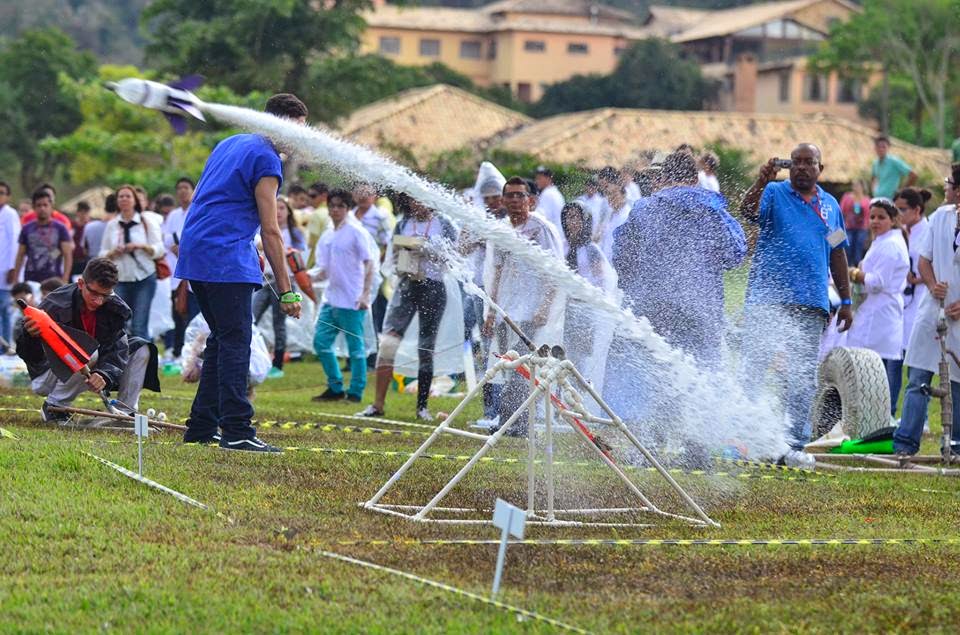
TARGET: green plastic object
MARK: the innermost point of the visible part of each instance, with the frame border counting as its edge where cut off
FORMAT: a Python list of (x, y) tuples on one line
[(864, 446)]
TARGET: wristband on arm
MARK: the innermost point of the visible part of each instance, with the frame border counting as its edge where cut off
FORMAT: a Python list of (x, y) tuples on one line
[(846, 302), (290, 297)]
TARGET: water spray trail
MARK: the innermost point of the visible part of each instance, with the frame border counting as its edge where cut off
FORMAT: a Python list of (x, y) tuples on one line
[(712, 405)]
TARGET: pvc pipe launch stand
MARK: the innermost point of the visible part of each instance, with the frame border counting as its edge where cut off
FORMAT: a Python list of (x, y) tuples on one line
[(544, 373)]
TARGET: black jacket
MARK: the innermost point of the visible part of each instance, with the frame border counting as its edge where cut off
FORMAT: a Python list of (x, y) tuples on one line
[(63, 305)]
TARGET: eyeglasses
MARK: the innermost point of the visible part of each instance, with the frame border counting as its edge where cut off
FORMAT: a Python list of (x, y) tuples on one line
[(903, 210), (96, 295), (515, 195)]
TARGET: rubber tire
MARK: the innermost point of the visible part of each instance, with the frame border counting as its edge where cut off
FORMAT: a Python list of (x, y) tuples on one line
[(854, 390)]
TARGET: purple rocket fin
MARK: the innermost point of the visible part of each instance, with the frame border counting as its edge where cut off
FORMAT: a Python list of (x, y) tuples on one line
[(178, 123), (190, 82)]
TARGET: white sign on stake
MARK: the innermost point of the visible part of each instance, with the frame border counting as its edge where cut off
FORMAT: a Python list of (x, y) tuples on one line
[(141, 427), (511, 520)]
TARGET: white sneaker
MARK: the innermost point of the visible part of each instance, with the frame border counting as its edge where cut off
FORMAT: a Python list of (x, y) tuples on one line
[(486, 424), (424, 415), (796, 458)]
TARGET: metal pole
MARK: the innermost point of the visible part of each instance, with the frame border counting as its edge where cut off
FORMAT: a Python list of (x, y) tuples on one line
[(548, 450), (140, 454), (501, 556), (531, 441)]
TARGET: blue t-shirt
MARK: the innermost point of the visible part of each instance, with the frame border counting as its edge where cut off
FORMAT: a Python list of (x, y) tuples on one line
[(792, 260), (216, 244)]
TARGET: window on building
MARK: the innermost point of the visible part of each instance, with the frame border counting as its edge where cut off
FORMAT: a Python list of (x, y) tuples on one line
[(492, 51), (470, 49), (523, 92), (784, 86), (430, 48), (815, 87), (534, 46), (619, 50), (578, 48), (390, 45), (851, 91)]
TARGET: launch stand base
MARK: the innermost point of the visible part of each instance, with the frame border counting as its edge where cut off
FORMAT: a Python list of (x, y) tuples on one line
[(120, 418), (545, 374)]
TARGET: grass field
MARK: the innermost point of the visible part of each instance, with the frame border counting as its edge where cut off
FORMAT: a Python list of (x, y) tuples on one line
[(86, 549)]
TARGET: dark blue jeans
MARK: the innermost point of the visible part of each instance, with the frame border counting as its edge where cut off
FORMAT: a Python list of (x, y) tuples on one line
[(906, 438), (856, 245), (139, 296), (222, 394), (894, 369)]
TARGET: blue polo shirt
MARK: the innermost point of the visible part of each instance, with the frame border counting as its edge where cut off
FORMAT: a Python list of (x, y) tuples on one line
[(792, 260), (216, 244)]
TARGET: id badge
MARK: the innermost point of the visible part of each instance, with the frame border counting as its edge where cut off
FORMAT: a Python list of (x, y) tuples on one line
[(836, 237)]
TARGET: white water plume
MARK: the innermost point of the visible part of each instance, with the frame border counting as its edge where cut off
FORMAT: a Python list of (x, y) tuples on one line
[(708, 408)]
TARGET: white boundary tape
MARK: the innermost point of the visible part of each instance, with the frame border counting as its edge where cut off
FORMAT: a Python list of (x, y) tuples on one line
[(452, 589), (143, 479)]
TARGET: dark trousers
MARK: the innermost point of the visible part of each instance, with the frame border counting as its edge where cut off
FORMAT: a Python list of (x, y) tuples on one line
[(427, 298), (265, 299), (173, 339), (222, 394), (516, 389)]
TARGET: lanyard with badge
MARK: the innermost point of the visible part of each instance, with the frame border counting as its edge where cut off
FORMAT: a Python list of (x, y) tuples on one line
[(835, 237)]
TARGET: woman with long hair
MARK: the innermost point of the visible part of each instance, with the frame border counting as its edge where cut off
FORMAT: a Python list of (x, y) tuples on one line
[(266, 297), (883, 274), (585, 338), (134, 242)]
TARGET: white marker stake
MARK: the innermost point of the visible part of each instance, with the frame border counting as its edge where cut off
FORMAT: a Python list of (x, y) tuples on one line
[(141, 427), (512, 521)]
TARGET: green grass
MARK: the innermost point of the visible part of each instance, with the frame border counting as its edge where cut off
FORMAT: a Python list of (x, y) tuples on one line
[(86, 549)]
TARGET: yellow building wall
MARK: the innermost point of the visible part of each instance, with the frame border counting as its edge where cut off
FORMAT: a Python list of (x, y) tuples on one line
[(476, 69)]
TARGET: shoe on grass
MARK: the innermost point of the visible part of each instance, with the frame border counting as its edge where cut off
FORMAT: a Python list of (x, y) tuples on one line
[(52, 417), (370, 411), (211, 440), (354, 398), (329, 395), (424, 415), (249, 445), (274, 373)]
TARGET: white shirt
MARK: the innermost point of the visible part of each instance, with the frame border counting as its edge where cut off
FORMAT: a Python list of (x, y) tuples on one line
[(595, 268), (708, 181), (342, 253), (377, 222), (591, 204), (912, 302), (172, 231), (519, 293), (605, 222), (878, 324), (937, 247), (9, 243), (432, 231), (550, 206), (139, 264)]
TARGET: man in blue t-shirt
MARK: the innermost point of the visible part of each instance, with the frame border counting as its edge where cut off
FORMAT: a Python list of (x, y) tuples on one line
[(889, 170), (236, 196), (799, 247)]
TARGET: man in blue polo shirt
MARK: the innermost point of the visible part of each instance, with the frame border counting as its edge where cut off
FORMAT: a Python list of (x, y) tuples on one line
[(799, 246), (236, 196)]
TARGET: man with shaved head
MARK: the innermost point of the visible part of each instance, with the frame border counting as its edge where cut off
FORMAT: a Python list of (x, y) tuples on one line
[(800, 244)]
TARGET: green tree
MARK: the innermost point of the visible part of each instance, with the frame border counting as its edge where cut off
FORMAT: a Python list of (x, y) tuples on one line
[(337, 86), (651, 74), (117, 142), (33, 69), (248, 45), (914, 39)]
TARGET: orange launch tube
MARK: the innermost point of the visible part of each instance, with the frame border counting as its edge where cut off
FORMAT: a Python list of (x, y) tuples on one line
[(63, 346)]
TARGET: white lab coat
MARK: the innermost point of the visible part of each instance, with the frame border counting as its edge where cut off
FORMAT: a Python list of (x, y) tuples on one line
[(878, 324), (937, 247), (912, 302)]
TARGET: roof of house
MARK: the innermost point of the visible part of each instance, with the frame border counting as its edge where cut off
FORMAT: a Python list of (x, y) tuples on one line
[(430, 120), (487, 19), (664, 21), (612, 136), (728, 21)]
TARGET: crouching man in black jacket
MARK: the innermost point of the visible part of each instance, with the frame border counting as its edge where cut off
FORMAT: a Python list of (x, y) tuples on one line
[(89, 305)]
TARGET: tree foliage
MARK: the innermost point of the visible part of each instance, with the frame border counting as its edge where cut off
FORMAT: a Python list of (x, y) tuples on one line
[(337, 86), (650, 74), (33, 69), (251, 44), (913, 39), (117, 142)]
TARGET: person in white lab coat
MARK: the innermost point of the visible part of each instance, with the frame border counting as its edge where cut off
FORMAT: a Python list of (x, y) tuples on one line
[(910, 203), (883, 274), (550, 202), (940, 270)]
